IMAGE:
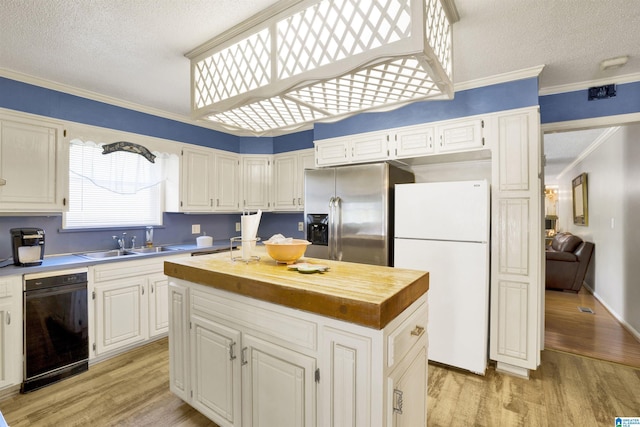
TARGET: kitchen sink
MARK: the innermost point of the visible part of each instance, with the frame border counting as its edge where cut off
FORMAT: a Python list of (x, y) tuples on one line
[(153, 249), (105, 254)]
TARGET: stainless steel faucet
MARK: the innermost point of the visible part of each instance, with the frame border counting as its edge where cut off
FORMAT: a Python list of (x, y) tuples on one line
[(121, 241)]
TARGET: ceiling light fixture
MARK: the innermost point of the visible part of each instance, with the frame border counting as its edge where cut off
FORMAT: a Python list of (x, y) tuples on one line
[(612, 63), (304, 61)]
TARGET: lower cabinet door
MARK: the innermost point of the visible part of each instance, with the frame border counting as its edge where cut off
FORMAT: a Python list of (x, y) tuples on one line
[(121, 311), (158, 305), (279, 386), (408, 392), (215, 379), (179, 381)]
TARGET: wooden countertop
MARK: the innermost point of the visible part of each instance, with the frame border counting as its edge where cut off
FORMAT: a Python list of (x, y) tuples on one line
[(367, 295)]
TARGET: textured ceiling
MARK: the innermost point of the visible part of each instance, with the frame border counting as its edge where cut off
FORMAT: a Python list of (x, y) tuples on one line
[(562, 148), (134, 50)]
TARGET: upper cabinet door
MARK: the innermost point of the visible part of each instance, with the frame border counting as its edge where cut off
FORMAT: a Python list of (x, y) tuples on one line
[(256, 183), (227, 183), (197, 173), (461, 136), (285, 189), (414, 141), (33, 166)]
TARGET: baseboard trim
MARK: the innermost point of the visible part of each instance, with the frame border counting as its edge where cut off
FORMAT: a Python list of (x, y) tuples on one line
[(627, 326), (509, 369)]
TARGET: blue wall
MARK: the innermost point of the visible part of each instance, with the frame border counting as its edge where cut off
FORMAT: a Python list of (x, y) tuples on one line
[(575, 105)]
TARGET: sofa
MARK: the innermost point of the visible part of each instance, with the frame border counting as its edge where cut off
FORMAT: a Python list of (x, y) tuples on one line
[(567, 261)]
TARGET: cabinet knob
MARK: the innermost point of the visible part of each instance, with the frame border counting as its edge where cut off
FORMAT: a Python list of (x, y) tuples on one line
[(3, 181), (397, 401), (232, 355), (417, 331)]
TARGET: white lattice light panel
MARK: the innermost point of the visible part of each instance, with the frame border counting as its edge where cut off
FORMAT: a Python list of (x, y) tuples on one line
[(325, 60)]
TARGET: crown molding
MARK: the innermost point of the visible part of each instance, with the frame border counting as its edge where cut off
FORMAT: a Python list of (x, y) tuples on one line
[(573, 87), (94, 96), (500, 78), (590, 149)]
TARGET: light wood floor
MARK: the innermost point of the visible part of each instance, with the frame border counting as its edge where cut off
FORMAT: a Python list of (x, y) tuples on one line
[(597, 335), (133, 390)]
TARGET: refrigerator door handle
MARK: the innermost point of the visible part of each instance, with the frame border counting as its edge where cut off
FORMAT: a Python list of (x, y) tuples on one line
[(331, 236), (337, 235)]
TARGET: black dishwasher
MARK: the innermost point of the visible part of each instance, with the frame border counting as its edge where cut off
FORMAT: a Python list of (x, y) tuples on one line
[(56, 328)]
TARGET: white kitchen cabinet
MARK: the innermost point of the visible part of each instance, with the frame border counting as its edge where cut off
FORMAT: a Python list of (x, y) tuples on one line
[(288, 179), (33, 165), (369, 147), (258, 363), (179, 373), (414, 141), (215, 369), (256, 183), (359, 148), (451, 136), (130, 304), (517, 253), (197, 180), (278, 385), (227, 182), (210, 181), (333, 151), (408, 392), (121, 311), (158, 288), (10, 331), (460, 135)]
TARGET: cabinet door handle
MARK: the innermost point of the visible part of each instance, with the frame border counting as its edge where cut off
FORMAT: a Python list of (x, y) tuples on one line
[(397, 401), (152, 290), (218, 202), (299, 201), (232, 355), (243, 358), (142, 289), (417, 331), (294, 201), (211, 202), (8, 317), (3, 181)]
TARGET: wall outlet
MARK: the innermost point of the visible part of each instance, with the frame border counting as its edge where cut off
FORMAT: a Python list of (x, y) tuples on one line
[(195, 229), (301, 226), (237, 226)]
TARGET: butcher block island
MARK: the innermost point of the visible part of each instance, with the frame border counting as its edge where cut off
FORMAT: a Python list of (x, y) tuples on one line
[(261, 344)]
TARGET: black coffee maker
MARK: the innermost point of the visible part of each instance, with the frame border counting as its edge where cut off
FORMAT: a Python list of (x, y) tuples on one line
[(28, 246)]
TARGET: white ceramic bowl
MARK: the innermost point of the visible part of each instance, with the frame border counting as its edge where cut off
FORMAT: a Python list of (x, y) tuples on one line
[(287, 253)]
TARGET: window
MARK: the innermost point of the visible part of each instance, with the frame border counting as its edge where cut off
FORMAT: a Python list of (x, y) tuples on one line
[(114, 190)]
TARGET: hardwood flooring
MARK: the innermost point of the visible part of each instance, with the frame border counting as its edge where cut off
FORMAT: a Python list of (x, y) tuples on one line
[(133, 390), (597, 335)]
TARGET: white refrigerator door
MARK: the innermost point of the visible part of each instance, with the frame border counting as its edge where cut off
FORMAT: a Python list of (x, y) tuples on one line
[(458, 323), (443, 211)]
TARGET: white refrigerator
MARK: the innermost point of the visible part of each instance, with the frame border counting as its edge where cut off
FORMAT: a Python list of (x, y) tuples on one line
[(443, 228)]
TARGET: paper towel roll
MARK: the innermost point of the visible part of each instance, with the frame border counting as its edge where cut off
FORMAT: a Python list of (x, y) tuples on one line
[(249, 228)]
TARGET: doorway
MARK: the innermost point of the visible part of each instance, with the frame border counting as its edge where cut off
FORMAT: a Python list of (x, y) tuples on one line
[(601, 153)]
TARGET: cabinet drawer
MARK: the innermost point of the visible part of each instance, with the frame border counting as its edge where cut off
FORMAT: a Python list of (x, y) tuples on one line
[(406, 335), (121, 270), (263, 319)]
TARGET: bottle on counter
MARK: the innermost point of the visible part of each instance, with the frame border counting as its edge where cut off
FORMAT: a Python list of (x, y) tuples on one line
[(148, 237)]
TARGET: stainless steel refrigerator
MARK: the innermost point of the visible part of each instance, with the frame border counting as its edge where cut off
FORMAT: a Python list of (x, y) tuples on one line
[(349, 212)]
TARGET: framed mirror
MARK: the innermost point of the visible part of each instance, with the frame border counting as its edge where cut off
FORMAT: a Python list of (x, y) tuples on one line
[(580, 205)]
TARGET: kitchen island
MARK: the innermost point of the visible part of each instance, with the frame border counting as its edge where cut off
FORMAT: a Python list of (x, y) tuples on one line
[(260, 344)]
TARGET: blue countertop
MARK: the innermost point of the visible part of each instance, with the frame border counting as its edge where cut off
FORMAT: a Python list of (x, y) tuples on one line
[(67, 261)]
